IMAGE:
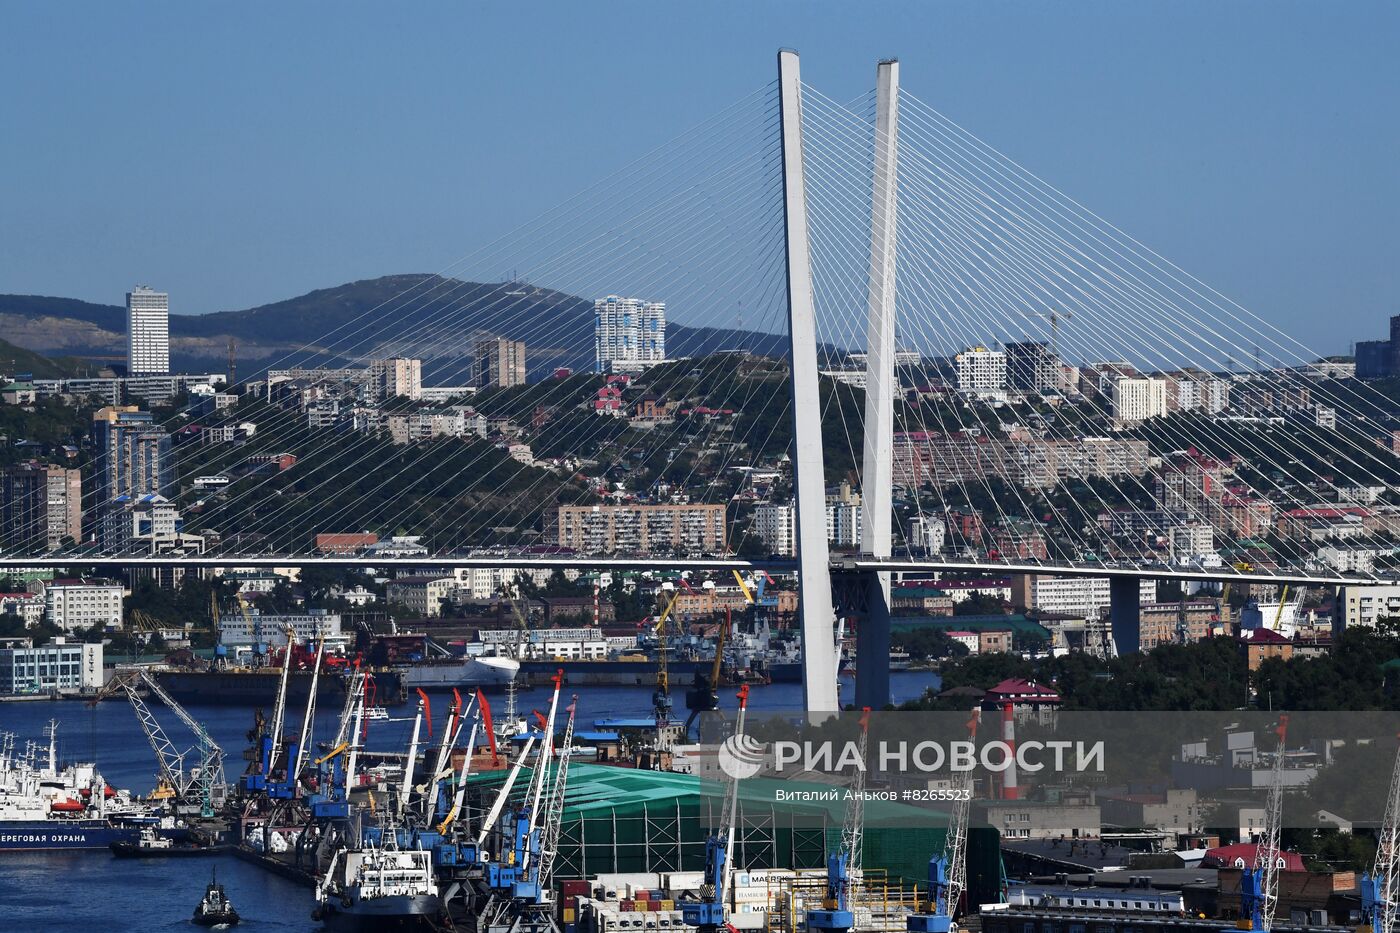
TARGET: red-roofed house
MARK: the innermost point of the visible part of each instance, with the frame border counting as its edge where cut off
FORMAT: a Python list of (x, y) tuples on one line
[(1262, 644), (1023, 694), (1242, 855)]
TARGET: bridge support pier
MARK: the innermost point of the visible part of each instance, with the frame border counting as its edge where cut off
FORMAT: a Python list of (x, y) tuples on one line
[(873, 631), (1125, 613), (873, 642)]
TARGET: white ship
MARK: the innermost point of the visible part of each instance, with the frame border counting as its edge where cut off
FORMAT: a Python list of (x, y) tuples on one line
[(379, 888), (473, 671), (44, 806)]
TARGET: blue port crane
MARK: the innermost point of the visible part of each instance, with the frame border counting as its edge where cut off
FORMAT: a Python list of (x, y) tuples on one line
[(711, 913), (947, 871), (1380, 887), (843, 867)]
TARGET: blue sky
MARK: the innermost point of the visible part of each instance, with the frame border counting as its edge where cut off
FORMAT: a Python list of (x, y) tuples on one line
[(241, 153)]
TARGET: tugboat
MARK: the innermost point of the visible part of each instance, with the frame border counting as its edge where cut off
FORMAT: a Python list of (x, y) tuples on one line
[(215, 910)]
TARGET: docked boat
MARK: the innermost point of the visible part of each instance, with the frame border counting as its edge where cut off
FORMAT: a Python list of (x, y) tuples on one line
[(151, 844), (215, 909), (43, 806), (377, 888), (471, 672)]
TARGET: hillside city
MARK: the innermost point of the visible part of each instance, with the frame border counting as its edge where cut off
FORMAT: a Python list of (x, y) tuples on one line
[(652, 457)]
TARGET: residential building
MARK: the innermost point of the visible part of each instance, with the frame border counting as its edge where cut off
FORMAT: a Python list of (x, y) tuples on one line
[(147, 332), (1019, 541), (1081, 596), (132, 454), (981, 372), (500, 363), (642, 529), (773, 523), (1196, 390), (926, 534), (72, 604), (140, 523), (421, 595), (270, 628), (28, 607), (968, 640), (843, 518), (1032, 366), (1373, 359), (1347, 559), (1138, 399), (62, 666), (629, 334), (1192, 542), (1193, 485), (397, 377), (1365, 605), (426, 423), (41, 507), (440, 395)]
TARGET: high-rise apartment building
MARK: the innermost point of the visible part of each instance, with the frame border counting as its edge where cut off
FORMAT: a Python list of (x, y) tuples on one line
[(397, 377), (629, 334), (132, 454), (147, 332), (1138, 399), (981, 372), (40, 506), (500, 363)]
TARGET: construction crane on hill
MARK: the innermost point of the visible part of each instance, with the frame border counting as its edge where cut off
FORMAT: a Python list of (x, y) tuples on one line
[(201, 786), (1380, 889)]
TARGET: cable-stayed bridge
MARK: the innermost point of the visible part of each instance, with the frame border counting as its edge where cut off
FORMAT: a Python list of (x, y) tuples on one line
[(893, 350)]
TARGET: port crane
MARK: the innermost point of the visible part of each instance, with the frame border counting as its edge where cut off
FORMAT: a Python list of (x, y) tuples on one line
[(517, 892), (1259, 884), (661, 704), (201, 786), (710, 914), (947, 871), (843, 867), (270, 741), (703, 695), (1380, 888)]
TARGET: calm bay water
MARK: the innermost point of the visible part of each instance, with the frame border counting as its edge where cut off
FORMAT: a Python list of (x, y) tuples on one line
[(57, 892)]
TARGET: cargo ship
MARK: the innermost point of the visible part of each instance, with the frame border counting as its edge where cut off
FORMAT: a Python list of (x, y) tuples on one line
[(43, 806), (258, 686)]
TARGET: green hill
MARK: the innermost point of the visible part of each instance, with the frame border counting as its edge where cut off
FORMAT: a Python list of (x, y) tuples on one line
[(17, 360)]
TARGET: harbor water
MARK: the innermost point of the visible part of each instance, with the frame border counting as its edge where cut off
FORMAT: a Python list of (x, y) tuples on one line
[(59, 892)]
